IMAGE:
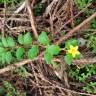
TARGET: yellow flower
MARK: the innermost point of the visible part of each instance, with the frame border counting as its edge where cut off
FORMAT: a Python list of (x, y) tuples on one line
[(73, 50)]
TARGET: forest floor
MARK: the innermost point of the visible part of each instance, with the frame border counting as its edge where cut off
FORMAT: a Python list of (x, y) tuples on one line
[(48, 48)]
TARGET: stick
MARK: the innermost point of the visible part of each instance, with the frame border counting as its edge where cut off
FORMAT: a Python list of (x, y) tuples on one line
[(71, 32), (13, 66), (18, 64), (31, 19)]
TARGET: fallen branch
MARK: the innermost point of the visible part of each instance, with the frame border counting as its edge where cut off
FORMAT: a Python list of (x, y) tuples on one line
[(13, 66), (71, 32)]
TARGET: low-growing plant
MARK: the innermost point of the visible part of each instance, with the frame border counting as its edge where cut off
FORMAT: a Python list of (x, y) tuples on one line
[(90, 87), (23, 47), (10, 90), (93, 24), (10, 1), (72, 51), (77, 21), (11, 50), (83, 75), (91, 43), (22, 72), (52, 50), (82, 3), (38, 9)]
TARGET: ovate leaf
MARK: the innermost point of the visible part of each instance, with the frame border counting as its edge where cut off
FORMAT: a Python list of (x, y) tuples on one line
[(2, 91), (43, 38), (0, 59), (21, 39), (68, 59), (19, 53), (3, 57), (8, 57), (33, 52), (1, 44), (72, 42), (1, 50), (27, 39), (11, 42), (48, 57), (53, 49), (4, 42)]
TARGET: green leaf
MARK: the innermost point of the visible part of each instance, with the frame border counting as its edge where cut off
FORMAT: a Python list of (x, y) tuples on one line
[(11, 42), (43, 38), (19, 53), (72, 42), (33, 52), (94, 49), (0, 59), (68, 59), (8, 57), (2, 91), (1, 50), (78, 21), (1, 44), (27, 39), (53, 49), (48, 57), (3, 57), (21, 39), (4, 42)]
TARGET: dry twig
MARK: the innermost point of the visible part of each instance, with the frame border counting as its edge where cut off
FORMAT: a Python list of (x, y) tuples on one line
[(20, 8), (31, 19), (71, 32), (62, 26)]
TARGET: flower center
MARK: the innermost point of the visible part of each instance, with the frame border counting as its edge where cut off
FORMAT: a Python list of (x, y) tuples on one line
[(73, 50)]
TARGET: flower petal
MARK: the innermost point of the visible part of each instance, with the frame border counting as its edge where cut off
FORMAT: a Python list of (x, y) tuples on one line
[(73, 55), (73, 50), (77, 52), (76, 48)]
